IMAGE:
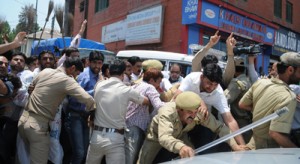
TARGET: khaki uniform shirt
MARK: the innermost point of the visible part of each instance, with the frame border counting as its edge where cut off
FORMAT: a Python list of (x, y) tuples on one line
[(51, 87), (112, 97), (167, 129), (267, 96)]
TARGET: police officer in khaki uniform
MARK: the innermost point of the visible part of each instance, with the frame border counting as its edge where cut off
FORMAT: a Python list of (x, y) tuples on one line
[(51, 87), (169, 128), (149, 64), (268, 95), (237, 87)]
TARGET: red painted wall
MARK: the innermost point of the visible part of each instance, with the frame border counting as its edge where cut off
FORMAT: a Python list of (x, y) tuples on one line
[(174, 34), (117, 10)]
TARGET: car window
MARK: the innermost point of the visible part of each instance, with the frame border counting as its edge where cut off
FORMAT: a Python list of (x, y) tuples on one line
[(185, 68)]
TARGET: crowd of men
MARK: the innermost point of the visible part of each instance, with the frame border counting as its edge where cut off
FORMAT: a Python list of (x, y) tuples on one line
[(75, 110)]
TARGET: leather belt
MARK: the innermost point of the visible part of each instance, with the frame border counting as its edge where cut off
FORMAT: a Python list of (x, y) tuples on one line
[(108, 130)]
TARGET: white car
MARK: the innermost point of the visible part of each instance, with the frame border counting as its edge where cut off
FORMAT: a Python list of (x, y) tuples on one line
[(167, 58), (261, 156)]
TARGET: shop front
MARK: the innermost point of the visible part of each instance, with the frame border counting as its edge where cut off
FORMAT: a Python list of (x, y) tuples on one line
[(201, 19), (285, 40)]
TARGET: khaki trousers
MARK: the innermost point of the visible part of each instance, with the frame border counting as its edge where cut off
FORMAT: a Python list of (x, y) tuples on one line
[(34, 130), (148, 152)]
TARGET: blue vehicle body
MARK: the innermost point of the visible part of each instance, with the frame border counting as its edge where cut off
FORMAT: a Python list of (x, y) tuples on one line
[(56, 44)]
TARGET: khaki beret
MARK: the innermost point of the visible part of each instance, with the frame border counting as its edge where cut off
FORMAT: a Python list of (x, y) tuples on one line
[(239, 61), (188, 101), (152, 64), (291, 59)]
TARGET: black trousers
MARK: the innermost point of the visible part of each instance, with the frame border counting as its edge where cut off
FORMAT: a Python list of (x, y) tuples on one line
[(201, 136), (295, 136), (8, 139)]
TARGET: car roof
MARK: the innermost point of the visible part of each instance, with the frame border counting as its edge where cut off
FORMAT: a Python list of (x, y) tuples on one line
[(261, 156), (158, 55)]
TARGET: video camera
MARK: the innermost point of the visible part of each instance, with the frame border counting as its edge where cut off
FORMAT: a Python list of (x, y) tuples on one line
[(241, 48)]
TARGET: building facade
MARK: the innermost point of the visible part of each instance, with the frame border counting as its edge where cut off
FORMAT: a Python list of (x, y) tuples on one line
[(174, 25), (151, 25)]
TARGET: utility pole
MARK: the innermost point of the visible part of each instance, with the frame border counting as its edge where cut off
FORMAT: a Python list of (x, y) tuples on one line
[(52, 26), (86, 7), (66, 19), (34, 26)]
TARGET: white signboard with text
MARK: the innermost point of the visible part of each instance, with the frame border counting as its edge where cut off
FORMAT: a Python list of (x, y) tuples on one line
[(113, 32), (144, 27)]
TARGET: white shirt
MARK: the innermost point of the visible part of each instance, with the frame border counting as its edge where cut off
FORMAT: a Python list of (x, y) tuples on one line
[(134, 77), (165, 84), (36, 71), (216, 98), (167, 76), (112, 97), (26, 77)]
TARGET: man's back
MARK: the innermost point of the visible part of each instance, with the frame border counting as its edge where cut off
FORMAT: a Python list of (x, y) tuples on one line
[(51, 87), (138, 114), (112, 97), (267, 97)]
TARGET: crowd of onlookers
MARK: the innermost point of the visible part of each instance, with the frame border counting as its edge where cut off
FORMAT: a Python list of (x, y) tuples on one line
[(73, 110)]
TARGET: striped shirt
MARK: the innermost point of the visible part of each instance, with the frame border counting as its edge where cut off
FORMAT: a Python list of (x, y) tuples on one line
[(139, 115)]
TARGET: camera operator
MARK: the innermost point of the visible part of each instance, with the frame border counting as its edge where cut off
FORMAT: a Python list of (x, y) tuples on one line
[(250, 51), (237, 87)]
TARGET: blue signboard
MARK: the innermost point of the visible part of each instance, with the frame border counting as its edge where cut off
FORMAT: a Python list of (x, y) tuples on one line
[(189, 11), (229, 21), (285, 41), (210, 14)]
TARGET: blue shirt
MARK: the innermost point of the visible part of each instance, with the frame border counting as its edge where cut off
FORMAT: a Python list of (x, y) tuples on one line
[(87, 80)]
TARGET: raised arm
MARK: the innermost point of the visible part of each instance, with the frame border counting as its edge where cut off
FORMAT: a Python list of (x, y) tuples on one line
[(18, 41), (251, 70), (230, 66), (76, 41), (196, 62)]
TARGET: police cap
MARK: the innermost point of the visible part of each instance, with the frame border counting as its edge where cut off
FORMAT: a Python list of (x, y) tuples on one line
[(152, 64), (239, 61), (188, 101), (290, 59)]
